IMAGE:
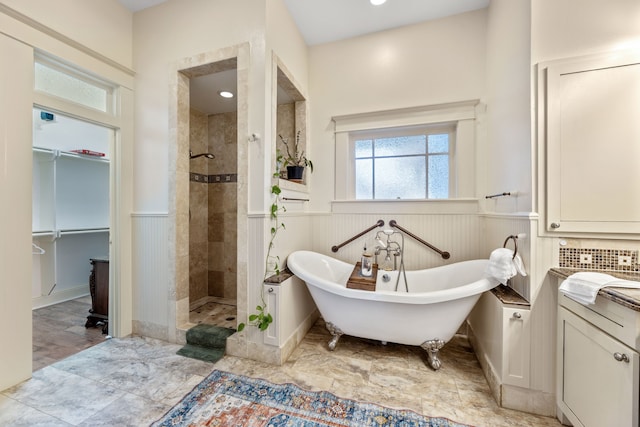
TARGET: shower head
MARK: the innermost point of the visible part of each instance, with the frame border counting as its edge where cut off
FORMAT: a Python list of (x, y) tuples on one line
[(195, 156)]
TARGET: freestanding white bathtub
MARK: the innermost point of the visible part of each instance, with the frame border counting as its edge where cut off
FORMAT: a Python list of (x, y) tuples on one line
[(438, 301)]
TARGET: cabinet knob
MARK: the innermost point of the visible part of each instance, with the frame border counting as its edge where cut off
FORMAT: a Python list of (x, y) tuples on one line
[(621, 357), (554, 225), (517, 315), (270, 290)]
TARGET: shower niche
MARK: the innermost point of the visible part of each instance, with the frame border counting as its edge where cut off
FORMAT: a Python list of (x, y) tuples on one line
[(290, 125)]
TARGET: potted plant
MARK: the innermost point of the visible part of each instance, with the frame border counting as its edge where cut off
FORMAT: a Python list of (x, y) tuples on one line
[(295, 160)]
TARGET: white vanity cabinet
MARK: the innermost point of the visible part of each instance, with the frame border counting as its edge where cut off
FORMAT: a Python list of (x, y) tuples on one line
[(598, 364)]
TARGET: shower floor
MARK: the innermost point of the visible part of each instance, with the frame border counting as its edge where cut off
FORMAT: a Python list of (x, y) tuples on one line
[(214, 311)]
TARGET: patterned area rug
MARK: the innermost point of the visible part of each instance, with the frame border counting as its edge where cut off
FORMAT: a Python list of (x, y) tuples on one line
[(225, 399)]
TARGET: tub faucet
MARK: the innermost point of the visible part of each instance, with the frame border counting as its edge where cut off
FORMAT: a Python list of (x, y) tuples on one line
[(390, 247)]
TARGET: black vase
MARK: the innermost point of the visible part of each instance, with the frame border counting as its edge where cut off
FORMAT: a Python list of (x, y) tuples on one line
[(295, 172)]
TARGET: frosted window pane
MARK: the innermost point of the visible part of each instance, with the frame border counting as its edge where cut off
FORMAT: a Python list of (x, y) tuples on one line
[(438, 177), (364, 148), (364, 179), (66, 86), (439, 143), (401, 146), (402, 178)]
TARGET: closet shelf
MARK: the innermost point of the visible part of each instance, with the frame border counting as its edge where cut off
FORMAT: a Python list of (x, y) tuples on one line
[(45, 233), (70, 154), (85, 231)]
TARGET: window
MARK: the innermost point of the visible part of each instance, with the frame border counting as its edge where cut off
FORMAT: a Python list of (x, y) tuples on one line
[(61, 81), (435, 145), (403, 163)]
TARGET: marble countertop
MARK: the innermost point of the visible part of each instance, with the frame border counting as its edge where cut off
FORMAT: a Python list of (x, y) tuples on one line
[(508, 296), (629, 298)]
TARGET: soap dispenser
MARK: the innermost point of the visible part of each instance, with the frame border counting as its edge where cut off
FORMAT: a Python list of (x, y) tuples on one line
[(366, 265)]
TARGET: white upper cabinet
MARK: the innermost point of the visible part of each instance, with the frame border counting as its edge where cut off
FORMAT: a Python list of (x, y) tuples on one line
[(589, 144)]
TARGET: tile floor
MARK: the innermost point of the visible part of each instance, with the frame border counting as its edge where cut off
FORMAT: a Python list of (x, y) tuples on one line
[(59, 332), (133, 381), (214, 311)]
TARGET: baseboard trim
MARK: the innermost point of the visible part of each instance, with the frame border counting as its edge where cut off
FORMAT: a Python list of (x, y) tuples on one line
[(61, 296)]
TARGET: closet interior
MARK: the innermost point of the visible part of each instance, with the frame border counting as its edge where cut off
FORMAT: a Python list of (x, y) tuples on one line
[(71, 205)]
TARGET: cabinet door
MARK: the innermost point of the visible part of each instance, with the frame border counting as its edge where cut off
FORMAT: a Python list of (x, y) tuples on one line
[(517, 345), (597, 389), (592, 144)]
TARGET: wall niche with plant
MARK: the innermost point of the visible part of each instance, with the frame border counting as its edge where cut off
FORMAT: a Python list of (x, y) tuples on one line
[(290, 125), (291, 131)]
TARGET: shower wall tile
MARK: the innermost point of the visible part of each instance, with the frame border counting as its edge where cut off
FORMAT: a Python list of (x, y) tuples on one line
[(198, 208), (222, 204), (198, 274), (230, 285), (216, 283), (216, 227), (198, 141)]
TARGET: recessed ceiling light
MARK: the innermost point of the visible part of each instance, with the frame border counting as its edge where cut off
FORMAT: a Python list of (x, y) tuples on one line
[(225, 94), (377, 2)]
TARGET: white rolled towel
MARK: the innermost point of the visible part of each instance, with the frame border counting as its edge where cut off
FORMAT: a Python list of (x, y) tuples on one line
[(503, 265), (584, 286)]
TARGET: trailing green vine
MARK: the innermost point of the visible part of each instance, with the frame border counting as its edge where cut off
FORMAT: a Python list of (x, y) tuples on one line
[(261, 319)]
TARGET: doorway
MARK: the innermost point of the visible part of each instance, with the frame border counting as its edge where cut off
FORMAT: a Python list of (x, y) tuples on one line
[(70, 234), (213, 197)]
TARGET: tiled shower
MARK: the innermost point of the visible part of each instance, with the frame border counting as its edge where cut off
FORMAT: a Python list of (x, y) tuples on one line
[(213, 207)]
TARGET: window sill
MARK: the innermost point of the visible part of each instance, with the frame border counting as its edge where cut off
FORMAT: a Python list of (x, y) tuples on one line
[(434, 206)]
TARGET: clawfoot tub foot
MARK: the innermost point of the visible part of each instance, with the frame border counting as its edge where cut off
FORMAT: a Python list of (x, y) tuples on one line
[(336, 333), (432, 347)]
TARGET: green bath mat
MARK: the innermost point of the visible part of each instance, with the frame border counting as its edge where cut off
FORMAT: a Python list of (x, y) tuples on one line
[(206, 342)]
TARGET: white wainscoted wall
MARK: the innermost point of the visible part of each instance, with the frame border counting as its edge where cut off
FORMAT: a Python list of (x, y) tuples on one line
[(452, 228), (517, 353), (151, 311)]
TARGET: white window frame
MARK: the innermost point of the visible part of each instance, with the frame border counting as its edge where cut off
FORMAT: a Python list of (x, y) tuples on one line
[(459, 115), (110, 90), (402, 131)]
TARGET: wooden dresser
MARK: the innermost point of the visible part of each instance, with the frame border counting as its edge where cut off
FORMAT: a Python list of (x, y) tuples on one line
[(99, 288)]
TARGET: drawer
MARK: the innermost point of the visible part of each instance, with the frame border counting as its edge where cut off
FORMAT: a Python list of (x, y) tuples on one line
[(617, 320)]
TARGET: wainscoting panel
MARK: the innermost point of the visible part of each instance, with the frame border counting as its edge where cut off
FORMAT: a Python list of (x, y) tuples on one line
[(150, 272), (458, 234)]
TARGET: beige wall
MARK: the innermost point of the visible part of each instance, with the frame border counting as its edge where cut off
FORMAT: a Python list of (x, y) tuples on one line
[(567, 28), (429, 63), (170, 32), (104, 26), (15, 223), (505, 161)]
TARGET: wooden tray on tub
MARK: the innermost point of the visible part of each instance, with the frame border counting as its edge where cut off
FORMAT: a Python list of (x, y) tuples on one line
[(365, 283)]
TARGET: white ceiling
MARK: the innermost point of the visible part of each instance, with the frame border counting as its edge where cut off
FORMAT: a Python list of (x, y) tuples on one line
[(323, 21)]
